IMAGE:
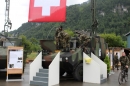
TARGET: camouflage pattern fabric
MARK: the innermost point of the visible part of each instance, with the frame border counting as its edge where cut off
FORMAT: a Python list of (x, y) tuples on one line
[(116, 58), (116, 61), (85, 46), (64, 39), (58, 39), (129, 58), (124, 60)]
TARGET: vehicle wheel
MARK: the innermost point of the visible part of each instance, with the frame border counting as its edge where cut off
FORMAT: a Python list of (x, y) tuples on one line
[(78, 73), (120, 78), (126, 77)]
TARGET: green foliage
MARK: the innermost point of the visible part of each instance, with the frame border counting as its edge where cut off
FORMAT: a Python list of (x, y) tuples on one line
[(30, 45), (26, 44), (125, 44), (69, 31), (113, 40), (107, 61), (34, 45), (32, 56)]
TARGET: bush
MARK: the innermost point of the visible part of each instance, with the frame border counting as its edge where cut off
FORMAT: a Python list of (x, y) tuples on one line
[(107, 61)]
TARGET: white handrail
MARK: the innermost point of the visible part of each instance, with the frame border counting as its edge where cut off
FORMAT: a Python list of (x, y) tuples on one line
[(91, 72), (35, 66), (103, 66), (54, 71)]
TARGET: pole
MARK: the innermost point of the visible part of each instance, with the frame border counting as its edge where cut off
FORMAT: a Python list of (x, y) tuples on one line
[(94, 21), (8, 23), (113, 58)]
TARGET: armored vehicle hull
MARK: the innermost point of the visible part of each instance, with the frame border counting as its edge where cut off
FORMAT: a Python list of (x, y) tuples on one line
[(3, 58), (69, 61)]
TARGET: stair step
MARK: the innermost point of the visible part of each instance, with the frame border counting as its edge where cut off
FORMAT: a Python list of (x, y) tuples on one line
[(40, 74), (43, 70), (36, 78), (38, 83), (103, 80), (101, 76)]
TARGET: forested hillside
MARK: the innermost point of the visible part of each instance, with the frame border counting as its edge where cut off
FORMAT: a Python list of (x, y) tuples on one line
[(112, 16)]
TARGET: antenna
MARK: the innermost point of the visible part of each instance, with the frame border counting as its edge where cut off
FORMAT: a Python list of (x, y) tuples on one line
[(8, 23), (94, 20)]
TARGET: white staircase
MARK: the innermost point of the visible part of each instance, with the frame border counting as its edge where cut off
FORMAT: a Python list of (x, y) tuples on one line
[(41, 78), (44, 77)]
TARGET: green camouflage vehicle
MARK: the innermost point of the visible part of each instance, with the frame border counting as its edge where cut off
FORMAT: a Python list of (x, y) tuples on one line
[(4, 43), (72, 62)]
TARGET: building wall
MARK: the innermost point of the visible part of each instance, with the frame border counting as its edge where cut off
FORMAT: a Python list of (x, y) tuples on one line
[(128, 41)]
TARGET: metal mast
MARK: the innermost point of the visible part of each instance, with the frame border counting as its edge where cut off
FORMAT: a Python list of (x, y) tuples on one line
[(8, 23), (94, 21)]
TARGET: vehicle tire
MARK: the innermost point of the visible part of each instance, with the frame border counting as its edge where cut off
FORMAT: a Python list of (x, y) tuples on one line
[(126, 77), (78, 73), (120, 78)]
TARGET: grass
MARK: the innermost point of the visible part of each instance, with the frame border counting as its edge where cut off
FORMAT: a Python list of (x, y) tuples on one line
[(31, 56)]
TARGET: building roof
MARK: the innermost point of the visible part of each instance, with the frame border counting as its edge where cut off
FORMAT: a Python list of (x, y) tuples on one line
[(127, 34)]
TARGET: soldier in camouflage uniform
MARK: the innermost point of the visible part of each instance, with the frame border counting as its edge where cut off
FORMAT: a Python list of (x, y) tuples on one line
[(64, 39), (82, 38), (58, 38), (116, 61), (85, 45), (124, 62)]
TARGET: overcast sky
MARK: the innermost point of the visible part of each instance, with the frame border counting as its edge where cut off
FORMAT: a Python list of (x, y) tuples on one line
[(19, 12)]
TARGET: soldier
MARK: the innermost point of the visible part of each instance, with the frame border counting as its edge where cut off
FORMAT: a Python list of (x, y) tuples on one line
[(64, 39), (58, 38), (116, 61), (124, 62)]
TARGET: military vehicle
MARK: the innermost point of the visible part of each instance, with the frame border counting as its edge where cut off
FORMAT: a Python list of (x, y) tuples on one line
[(71, 62), (4, 43)]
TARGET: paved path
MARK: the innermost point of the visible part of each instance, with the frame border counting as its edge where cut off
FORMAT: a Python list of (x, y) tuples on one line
[(112, 81)]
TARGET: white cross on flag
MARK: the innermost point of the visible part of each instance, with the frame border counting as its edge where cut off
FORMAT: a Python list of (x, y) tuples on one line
[(47, 11)]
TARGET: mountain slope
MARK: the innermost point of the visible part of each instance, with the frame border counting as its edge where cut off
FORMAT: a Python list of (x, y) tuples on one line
[(112, 15)]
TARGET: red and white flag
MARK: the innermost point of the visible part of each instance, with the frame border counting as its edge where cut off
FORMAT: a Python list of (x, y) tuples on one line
[(47, 11)]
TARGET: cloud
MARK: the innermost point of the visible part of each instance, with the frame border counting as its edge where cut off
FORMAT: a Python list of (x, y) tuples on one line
[(19, 12)]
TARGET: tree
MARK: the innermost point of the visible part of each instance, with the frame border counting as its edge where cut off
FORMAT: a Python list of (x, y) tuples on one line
[(107, 61), (26, 44), (33, 40), (34, 44), (113, 40), (27, 47)]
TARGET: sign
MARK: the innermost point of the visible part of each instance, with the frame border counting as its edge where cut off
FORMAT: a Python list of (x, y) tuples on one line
[(47, 11), (16, 59)]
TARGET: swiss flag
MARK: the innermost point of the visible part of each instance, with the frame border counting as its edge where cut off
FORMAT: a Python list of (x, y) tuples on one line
[(47, 11)]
